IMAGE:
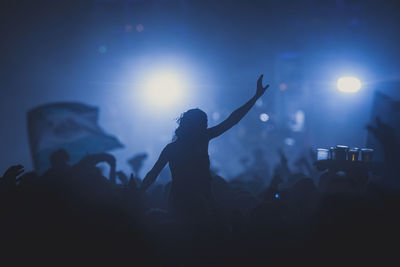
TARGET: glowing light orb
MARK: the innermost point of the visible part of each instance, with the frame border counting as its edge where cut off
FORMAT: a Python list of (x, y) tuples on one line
[(216, 116), (349, 84), (264, 117), (139, 28), (283, 87), (102, 49), (164, 89), (289, 141), (128, 28)]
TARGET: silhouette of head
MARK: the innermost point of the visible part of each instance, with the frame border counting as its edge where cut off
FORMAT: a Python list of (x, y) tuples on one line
[(59, 158), (192, 124)]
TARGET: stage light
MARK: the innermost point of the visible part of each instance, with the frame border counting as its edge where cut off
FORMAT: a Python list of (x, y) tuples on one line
[(349, 84), (164, 89), (264, 117)]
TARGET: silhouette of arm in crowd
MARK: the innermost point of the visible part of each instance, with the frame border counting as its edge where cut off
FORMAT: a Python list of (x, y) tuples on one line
[(238, 114), (151, 176), (94, 159), (11, 174), (122, 177), (136, 162), (132, 185), (304, 165)]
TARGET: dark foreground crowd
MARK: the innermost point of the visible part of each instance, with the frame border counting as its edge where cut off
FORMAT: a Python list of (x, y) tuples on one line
[(331, 213)]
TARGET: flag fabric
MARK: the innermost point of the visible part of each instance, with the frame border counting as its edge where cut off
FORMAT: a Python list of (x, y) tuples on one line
[(69, 125)]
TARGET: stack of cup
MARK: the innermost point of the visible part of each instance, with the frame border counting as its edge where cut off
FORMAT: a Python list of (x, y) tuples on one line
[(343, 153)]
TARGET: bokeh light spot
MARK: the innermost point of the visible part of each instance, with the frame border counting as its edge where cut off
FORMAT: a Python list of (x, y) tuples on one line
[(289, 141), (282, 87), (128, 28), (139, 28), (102, 49), (216, 116), (264, 117)]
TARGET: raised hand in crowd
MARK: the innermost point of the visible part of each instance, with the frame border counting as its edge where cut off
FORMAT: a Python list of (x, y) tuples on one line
[(11, 174)]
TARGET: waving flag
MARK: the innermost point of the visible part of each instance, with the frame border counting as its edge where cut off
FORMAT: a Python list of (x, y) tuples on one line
[(72, 126)]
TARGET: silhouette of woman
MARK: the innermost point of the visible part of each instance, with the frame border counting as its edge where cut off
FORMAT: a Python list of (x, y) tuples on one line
[(189, 162)]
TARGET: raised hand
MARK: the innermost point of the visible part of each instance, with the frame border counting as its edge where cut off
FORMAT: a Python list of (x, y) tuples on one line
[(260, 89), (11, 174), (238, 114)]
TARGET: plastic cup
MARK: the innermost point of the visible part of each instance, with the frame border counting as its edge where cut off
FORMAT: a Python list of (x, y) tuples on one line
[(341, 152), (322, 154), (366, 154), (332, 153), (353, 154)]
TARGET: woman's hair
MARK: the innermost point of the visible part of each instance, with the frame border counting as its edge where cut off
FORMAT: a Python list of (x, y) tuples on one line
[(192, 124)]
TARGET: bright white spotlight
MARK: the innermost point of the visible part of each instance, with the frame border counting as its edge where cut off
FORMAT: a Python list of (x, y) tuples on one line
[(164, 89), (349, 84)]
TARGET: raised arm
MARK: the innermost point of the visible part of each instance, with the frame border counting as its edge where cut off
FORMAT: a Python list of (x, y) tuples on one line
[(152, 175), (238, 114)]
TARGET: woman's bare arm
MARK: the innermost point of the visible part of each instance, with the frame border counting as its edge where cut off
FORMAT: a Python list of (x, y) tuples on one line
[(238, 114), (152, 175)]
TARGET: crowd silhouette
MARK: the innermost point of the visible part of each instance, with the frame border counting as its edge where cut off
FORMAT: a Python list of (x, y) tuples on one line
[(332, 212)]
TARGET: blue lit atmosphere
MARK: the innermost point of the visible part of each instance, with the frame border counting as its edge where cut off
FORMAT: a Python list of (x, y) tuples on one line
[(299, 97)]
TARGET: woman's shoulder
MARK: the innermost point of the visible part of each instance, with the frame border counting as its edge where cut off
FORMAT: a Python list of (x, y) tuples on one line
[(170, 146), (171, 149)]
